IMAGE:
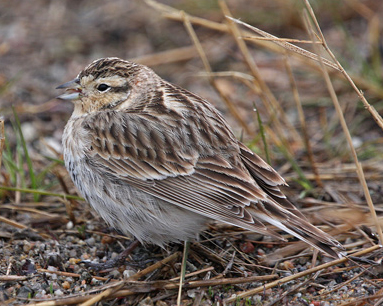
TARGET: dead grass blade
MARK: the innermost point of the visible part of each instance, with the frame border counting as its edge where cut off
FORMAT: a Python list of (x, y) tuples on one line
[(300, 274), (103, 295), (304, 129), (2, 139), (340, 114), (262, 90), (12, 223), (153, 267), (174, 14), (288, 46), (375, 115), (21, 226), (232, 108), (167, 57)]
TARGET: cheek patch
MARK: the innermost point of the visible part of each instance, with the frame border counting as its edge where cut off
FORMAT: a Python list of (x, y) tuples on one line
[(114, 104)]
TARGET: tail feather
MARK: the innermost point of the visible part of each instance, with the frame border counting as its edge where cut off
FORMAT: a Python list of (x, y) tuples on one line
[(278, 210), (283, 219)]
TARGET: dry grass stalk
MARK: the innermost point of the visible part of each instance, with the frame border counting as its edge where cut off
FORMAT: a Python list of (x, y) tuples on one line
[(174, 14), (2, 139), (31, 210), (22, 226), (194, 273), (63, 301), (260, 86), (13, 278), (375, 115), (295, 288), (113, 290), (343, 284), (300, 274), (340, 113), (304, 129), (153, 267), (69, 274), (219, 282), (290, 40), (286, 45), (167, 57), (232, 108), (103, 295), (13, 223)]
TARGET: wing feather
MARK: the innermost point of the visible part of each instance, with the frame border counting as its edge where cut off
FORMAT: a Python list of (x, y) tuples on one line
[(209, 182), (197, 164)]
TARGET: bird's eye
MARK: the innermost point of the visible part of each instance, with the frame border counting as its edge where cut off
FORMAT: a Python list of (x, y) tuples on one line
[(103, 87)]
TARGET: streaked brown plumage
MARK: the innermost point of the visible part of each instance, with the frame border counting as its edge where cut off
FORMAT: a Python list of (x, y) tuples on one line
[(159, 162)]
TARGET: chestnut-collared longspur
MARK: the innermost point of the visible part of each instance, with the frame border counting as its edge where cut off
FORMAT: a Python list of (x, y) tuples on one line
[(160, 162)]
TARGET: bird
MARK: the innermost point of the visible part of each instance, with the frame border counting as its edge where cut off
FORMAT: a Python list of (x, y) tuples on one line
[(160, 162)]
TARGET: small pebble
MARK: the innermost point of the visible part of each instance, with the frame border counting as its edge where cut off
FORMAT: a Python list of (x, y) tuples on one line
[(74, 261), (27, 246), (85, 256), (94, 282), (261, 252), (25, 292), (114, 255), (191, 294), (115, 274), (107, 240), (90, 241), (40, 294), (65, 285), (51, 268), (128, 273), (247, 247), (73, 253), (69, 225), (287, 265)]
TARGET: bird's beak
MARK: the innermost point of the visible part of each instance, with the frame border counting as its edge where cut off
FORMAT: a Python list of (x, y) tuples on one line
[(72, 88)]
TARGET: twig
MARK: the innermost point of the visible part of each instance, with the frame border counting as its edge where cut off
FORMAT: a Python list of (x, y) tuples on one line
[(13, 278)]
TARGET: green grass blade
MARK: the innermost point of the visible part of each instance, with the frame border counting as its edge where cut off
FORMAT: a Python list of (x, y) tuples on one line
[(26, 153), (262, 132), (42, 192)]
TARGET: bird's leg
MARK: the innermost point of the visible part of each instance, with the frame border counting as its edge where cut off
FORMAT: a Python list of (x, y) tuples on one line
[(183, 270), (115, 262)]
